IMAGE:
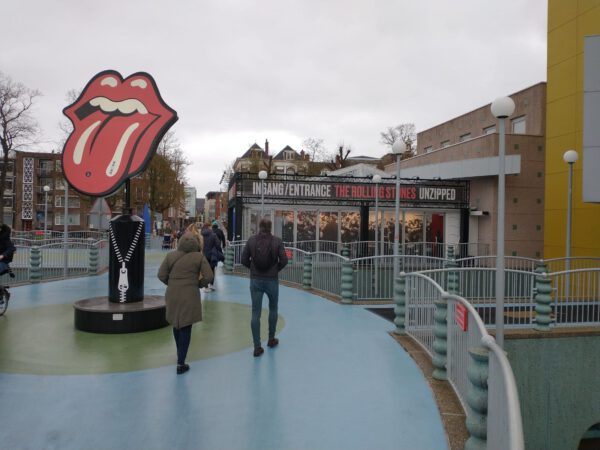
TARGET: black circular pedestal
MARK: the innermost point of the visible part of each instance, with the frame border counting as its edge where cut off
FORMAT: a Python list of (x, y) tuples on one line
[(98, 315)]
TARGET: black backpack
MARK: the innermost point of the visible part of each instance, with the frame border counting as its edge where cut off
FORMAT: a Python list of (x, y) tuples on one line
[(263, 254)]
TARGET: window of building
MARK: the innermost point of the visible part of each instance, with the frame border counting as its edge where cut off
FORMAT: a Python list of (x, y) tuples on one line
[(428, 149), (73, 219), (284, 225), (489, 130), (290, 171), (464, 137), (60, 201), (444, 144), (280, 169), (46, 166), (328, 226), (350, 226), (518, 125), (8, 202), (289, 155)]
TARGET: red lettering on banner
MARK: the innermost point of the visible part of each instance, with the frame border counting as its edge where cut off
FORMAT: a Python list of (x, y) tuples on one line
[(461, 316)]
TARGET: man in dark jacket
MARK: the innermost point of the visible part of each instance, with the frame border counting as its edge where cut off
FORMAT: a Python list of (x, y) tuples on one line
[(264, 254), (7, 249), (219, 233), (212, 249)]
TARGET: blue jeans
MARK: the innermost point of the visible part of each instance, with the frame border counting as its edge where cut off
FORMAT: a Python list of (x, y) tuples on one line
[(257, 289)]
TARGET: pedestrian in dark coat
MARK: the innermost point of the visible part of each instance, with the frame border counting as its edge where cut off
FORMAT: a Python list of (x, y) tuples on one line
[(184, 271), (7, 248), (219, 233), (212, 249), (264, 280)]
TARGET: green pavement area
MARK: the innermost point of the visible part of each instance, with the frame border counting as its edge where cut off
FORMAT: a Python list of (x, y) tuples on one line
[(42, 340)]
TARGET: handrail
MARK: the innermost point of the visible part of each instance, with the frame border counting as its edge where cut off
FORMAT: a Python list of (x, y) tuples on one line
[(514, 420)]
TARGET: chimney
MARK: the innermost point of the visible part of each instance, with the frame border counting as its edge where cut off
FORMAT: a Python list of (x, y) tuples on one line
[(266, 147)]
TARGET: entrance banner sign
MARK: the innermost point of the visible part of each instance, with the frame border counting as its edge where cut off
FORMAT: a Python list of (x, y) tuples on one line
[(422, 191)]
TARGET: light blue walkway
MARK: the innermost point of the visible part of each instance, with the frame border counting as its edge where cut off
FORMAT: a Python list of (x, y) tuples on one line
[(338, 380)]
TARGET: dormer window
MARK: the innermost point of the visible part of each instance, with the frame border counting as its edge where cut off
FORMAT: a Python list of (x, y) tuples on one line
[(289, 155)]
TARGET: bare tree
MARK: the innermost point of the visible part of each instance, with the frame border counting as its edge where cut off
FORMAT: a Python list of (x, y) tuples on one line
[(315, 148), (339, 159), (65, 125), (164, 177), (18, 128), (406, 132)]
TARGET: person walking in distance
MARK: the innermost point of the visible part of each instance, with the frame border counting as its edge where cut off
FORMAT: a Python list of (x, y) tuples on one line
[(184, 271), (264, 254), (212, 249), (219, 233)]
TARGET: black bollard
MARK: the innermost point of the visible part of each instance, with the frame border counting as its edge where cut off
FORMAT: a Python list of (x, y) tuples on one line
[(126, 259)]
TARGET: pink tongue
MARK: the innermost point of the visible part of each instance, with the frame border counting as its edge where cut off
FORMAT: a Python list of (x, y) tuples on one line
[(111, 150)]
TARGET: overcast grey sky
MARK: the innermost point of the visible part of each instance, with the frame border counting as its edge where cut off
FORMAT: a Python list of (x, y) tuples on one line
[(239, 72)]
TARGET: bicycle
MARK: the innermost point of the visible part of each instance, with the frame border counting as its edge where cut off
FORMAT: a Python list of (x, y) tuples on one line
[(5, 295), (4, 298)]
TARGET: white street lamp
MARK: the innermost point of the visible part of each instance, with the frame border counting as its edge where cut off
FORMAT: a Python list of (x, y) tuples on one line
[(570, 157), (46, 189), (376, 180), (263, 176), (501, 108), (398, 148)]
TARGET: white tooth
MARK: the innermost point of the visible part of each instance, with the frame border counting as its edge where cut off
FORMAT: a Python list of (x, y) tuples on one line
[(129, 106), (109, 81), (113, 165), (139, 83), (80, 147), (126, 106)]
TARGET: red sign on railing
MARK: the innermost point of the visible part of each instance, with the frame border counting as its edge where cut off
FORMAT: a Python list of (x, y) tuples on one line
[(461, 316)]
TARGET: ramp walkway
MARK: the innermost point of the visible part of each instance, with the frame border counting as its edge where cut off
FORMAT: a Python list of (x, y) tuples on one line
[(338, 380)]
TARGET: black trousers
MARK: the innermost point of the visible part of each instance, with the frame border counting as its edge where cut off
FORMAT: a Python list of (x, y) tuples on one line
[(182, 337)]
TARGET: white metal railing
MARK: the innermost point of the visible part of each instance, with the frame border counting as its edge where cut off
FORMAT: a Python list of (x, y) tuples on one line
[(575, 297), (327, 272), (293, 272), (38, 235), (573, 263), (504, 421), (53, 263)]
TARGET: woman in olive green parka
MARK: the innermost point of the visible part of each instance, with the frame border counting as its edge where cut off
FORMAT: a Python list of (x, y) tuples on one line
[(184, 271)]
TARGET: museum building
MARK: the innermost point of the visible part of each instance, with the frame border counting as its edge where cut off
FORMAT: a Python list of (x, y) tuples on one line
[(448, 188)]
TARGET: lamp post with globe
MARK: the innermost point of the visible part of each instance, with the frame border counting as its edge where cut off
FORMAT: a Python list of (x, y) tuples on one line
[(501, 108), (398, 149), (570, 157)]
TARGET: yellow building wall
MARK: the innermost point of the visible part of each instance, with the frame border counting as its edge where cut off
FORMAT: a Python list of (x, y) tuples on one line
[(569, 21)]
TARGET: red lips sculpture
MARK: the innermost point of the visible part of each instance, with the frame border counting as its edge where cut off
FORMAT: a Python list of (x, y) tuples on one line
[(118, 124)]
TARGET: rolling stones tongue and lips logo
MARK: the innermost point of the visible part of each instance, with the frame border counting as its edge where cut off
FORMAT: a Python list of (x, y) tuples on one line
[(118, 124)]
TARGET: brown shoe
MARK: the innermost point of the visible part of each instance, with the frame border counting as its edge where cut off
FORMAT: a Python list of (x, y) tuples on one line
[(273, 342), (258, 351)]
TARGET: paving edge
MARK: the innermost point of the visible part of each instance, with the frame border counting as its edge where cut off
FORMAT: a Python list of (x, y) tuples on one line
[(449, 406)]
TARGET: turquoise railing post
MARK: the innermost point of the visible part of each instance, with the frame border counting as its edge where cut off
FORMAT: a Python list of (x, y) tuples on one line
[(400, 301), (440, 340), (451, 277), (148, 240), (228, 259), (346, 251), (307, 272), (35, 260), (93, 261), (543, 310), (347, 282), (477, 399)]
